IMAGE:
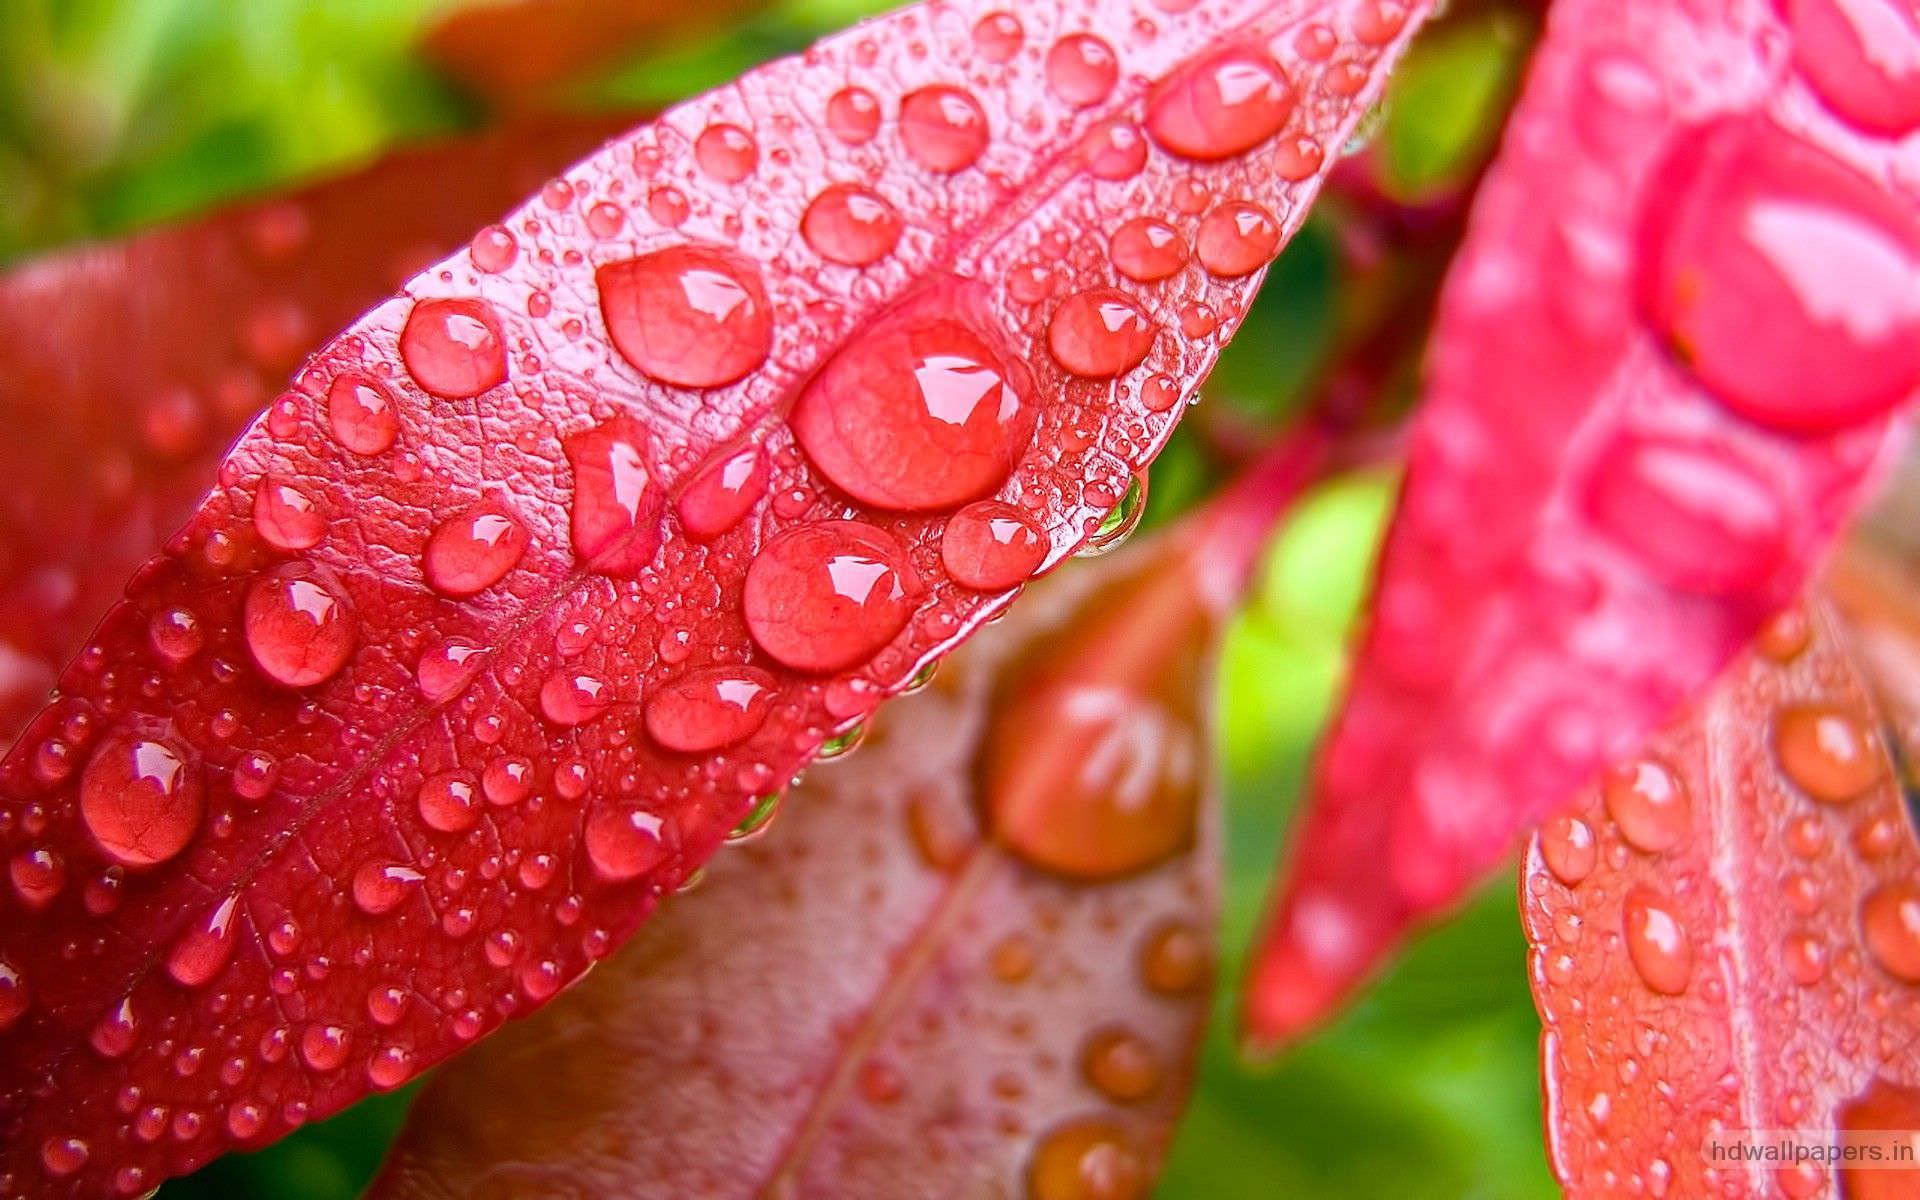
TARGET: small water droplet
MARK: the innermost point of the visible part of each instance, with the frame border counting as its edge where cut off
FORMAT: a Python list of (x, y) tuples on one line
[(851, 225), (15, 996), (943, 128), (1120, 522), (446, 667), (469, 553), (1221, 106), (141, 799), (493, 249), (1890, 919), (853, 115), (1098, 334), (1090, 1158), (615, 517), (1567, 844), (1236, 239), (379, 888), (175, 634), (574, 698), (1657, 941), (692, 316), (389, 1067), (1649, 804), (1146, 249), (1082, 69), (324, 1047), (623, 843), (997, 36), (1858, 55), (286, 516), (989, 546), (447, 801), (453, 348), (709, 709), (203, 952), (1120, 1065), (759, 818), (727, 153), (827, 596), (1806, 958), (507, 781), (298, 630), (720, 494), (1830, 753), (362, 415), (63, 1156), (1694, 515)]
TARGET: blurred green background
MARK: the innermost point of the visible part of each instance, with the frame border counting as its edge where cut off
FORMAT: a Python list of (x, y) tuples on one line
[(117, 114)]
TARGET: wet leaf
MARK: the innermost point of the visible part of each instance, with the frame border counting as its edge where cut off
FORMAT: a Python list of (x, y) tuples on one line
[(1646, 417), (930, 990), (1723, 943), (548, 568)]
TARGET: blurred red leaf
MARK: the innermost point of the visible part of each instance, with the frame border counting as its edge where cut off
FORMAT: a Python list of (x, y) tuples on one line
[(126, 369), (1723, 932), (1661, 375), (372, 758), (915, 1005)]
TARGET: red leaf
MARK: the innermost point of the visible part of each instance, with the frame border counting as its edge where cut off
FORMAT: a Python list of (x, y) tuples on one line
[(1721, 938), (418, 815), (125, 370), (1662, 372), (911, 1008)]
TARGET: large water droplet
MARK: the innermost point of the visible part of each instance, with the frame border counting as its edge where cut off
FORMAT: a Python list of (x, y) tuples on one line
[(1859, 56), (1236, 239), (990, 547), (469, 553), (1091, 1158), (623, 843), (827, 596), (615, 523), (1695, 516), (1567, 844), (361, 414), (141, 798), (63, 1156), (298, 630), (921, 412), (693, 316), (379, 888), (1081, 69), (1831, 753), (722, 492), (943, 128), (286, 516), (1099, 333), (447, 801), (1220, 106), (1120, 1065), (453, 348), (1649, 804), (850, 224), (1786, 280), (1146, 249), (203, 952), (574, 698), (709, 709), (1890, 918), (1656, 941)]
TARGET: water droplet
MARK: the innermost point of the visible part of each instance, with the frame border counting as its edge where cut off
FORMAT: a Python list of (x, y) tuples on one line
[(604, 219), (63, 1156), (507, 781), (298, 630), (1220, 106), (720, 494), (759, 818), (116, 1032), (1859, 57), (827, 596), (203, 952), (1376, 22), (668, 205), (1090, 1158), (1146, 249), (692, 316), (1120, 522), (1120, 1065), (1098, 334), (493, 249), (990, 547), (175, 634), (141, 798), (453, 348), (1783, 278), (1806, 958), (1786, 635), (469, 553), (880, 1082), (324, 1047), (1657, 942), (15, 997), (361, 414), (574, 698), (389, 1067), (850, 224), (726, 153), (446, 667), (1694, 515), (1830, 753), (1890, 918), (1236, 239), (1649, 804), (1113, 150), (615, 521), (1081, 69), (853, 115), (943, 128), (447, 802), (1567, 844), (286, 516), (38, 876), (621, 843), (997, 36), (920, 412), (379, 888), (709, 709)]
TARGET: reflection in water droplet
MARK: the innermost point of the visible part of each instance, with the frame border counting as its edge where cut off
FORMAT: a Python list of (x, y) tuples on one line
[(1830, 753), (997, 36), (1099, 334), (614, 522), (1649, 804), (1890, 918), (1567, 844), (709, 709), (621, 843), (1236, 239), (1081, 69), (853, 115), (1220, 106), (447, 802), (828, 596), (203, 952), (141, 799), (721, 493), (1860, 57), (453, 348), (989, 546), (851, 225), (1120, 522), (471, 552), (1120, 1065), (693, 316), (1147, 249), (285, 516), (362, 415), (298, 630), (726, 152)]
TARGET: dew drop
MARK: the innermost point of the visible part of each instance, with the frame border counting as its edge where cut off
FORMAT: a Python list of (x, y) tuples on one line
[(990, 547), (1220, 106), (1657, 942), (447, 802), (453, 348), (1120, 522), (943, 128), (621, 843), (141, 799), (759, 818), (691, 316), (1236, 239), (997, 36), (1120, 1065), (720, 494), (324, 1047), (1649, 804), (1174, 959), (1806, 958), (1090, 1158), (919, 413), (1114, 150), (1858, 56), (361, 414), (709, 709), (604, 219), (175, 634), (1567, 844), (285, 516), (203, 952), (63, 1156), (493, 249), (851, 225), (1146, 249), (116, 1032), (853, 115), (1890, 918), (446, 667), (379, 888), (507, 781), (1830, 753), (727, 153), (1098, 334), (15, 997), (1082, 69), (827, 596), (1693, 515), (389, 1067), (469, 553), (574, 698), (615, 518), (38, 876), (298, 630)]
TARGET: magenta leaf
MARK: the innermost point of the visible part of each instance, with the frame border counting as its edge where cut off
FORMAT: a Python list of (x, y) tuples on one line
[(407, 763), (1664, 370)]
